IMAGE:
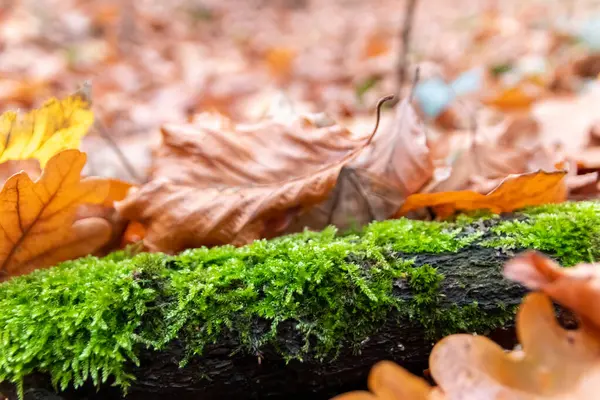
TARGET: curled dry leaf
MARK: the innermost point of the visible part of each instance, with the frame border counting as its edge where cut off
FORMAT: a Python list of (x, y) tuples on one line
[(554, 363), (497, 149), (40, 134), (37, 218), (374, 185), (215, 182), (399, 156), (514, 192), (577, 288)]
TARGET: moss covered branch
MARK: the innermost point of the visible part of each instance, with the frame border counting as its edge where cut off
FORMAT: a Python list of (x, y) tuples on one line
[(322, 302)]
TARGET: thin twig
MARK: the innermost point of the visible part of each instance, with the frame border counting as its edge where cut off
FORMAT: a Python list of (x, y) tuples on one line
[(405, 35), (379, 105), (414, 83), (101, 128)]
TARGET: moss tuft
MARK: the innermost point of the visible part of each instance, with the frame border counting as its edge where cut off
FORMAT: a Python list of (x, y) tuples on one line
[(87, 319), (569, 232), (76, 322)]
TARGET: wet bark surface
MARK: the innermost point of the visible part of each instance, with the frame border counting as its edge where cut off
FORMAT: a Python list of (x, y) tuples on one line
[(471, 275)]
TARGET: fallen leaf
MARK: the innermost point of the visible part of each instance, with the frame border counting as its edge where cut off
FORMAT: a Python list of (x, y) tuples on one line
[(514, 192), (399, 155), (215, 182), (374, 185), (554, 363), (280, 62), (44, 132), (134, 233), (377, 44), (117, 191), (497, 148), (37, 218), (514, 98), (577, 288)]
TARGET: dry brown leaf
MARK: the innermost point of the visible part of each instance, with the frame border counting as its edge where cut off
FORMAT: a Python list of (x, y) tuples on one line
[(399, 156), (554, 364), (514, 192), (577, 288), (372, 187), (498, 149), (215, 182), (37, 218)]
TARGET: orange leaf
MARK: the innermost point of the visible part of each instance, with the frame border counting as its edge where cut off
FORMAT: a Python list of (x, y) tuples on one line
[(37, 218), (117, 191), (514, 192), (389, 381), (377, 44), (134, 233), (280, 61), (577, 288), (554, 364), (516, 98)]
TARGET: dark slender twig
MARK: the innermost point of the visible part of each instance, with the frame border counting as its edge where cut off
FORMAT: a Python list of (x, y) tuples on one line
[(379, 105), (85, 92), (101, 128), (405, 34), (414, 83)]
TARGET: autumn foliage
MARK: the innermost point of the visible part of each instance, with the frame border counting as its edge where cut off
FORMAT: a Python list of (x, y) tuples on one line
[(47, 216), (227, 100), (215, 181), (552, 363)]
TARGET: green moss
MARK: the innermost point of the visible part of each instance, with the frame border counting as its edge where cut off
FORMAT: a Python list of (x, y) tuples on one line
[(568, 231), (76, 321), (417, 236), (89, 318)]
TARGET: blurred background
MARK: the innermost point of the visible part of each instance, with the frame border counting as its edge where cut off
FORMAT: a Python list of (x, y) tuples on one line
[(152, 62)]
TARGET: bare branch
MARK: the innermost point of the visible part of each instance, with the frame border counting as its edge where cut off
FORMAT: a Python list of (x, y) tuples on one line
[(405, 35)]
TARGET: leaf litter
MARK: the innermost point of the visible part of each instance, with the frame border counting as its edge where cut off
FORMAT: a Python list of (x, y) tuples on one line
[(503, 116)]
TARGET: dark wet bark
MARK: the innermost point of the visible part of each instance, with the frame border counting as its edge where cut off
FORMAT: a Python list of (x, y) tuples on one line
[(471, 275)]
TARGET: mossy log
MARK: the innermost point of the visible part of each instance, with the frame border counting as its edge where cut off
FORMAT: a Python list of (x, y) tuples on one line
[(299, 316)]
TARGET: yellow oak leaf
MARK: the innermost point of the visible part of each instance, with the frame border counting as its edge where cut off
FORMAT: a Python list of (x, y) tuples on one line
[(37, 219), (58, 125)]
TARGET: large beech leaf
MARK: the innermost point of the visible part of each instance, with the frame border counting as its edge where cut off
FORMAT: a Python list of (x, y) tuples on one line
[(215, 182), (37, 219)]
